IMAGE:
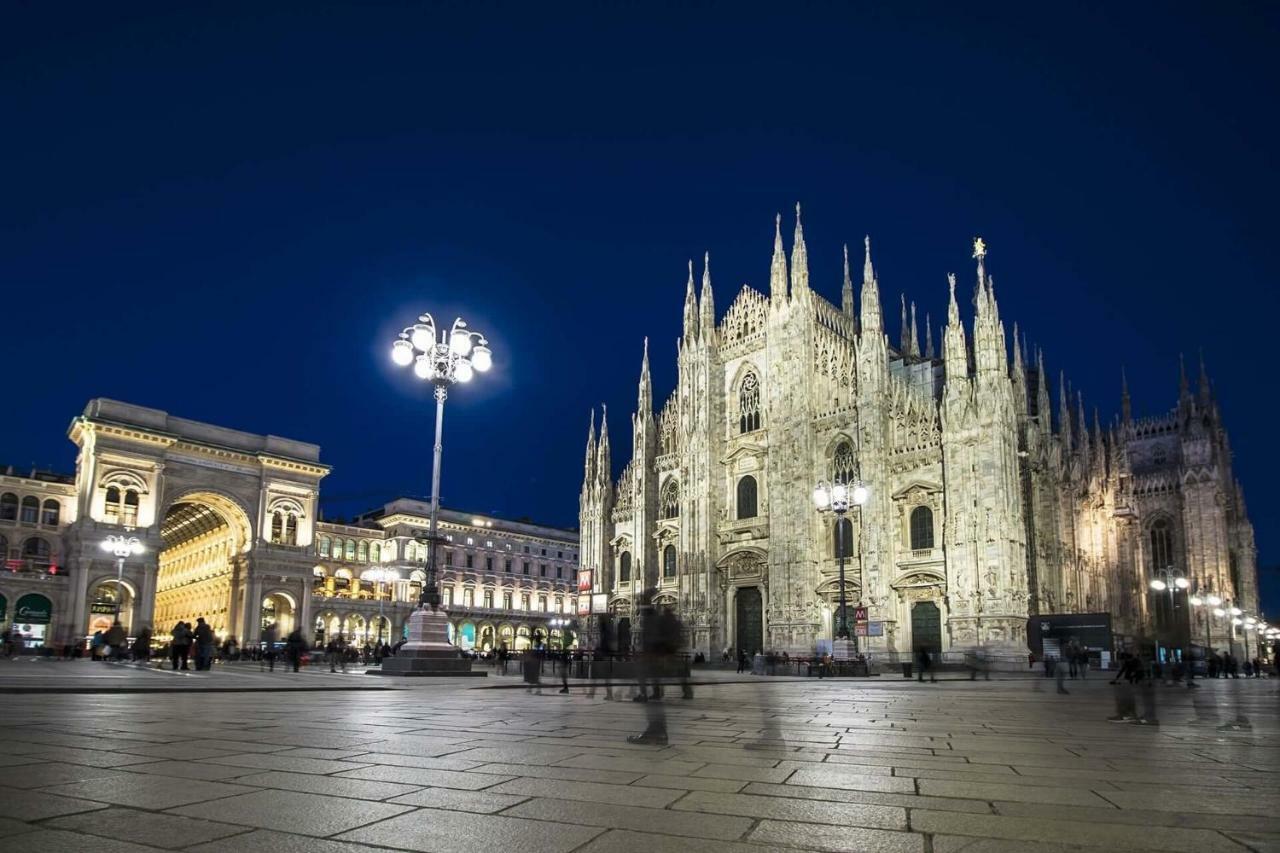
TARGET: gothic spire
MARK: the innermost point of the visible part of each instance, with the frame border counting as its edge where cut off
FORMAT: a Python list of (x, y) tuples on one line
[(915, 335), (778, 270), (1126, 406), (1043, 406), (872, 320), (980, 254), (589, 464), (1018, 366), (904, 333), (1064, 411), (955, 352), (604, 462), (690, 309), (1082, 423), (799, 259), (707, 303), (1205, 388), (846, 292), (644, 397), (928, 336)]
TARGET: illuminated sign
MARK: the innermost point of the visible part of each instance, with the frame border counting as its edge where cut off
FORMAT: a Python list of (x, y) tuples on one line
[(600, 602), (584, 580)]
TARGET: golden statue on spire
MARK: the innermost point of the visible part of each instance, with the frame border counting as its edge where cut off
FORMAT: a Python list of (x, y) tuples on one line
[(979, 248)]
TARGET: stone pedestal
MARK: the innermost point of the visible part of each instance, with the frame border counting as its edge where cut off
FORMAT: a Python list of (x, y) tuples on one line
[(428, 651)]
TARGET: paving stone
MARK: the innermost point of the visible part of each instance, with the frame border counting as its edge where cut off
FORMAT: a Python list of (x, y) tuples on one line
[(813, 811), (593, 792), (290, 811), (439, 831), (90, 757), (309, 783), (837, 838), (177, 751), (266, 841), (1258, 842), (275, 761), (38, 805), (572, 774), (9, 826), (692, 783), (61, 841), (1077, 830), (483, 802), (663, 821), (58, 773), (746, 774), (962, 844), (626, 841), (426, 777), (147, 792), (158, 830), (643, 766), (190, 770), (1065, 796), (1194, 801), (433, 763), (845, 777)]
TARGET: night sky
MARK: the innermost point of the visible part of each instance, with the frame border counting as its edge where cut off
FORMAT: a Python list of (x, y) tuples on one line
[(229, 211)]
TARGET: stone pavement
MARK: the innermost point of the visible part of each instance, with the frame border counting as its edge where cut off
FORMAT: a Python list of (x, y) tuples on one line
[(854, 765)]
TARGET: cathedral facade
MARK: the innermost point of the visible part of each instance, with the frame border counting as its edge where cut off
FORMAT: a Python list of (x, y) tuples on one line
[(985, 507)]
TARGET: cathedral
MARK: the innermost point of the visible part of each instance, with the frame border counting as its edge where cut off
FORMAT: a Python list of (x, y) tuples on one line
[(984, 507)]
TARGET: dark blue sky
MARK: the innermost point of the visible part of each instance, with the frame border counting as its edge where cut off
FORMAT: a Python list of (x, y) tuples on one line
[(227, 212)]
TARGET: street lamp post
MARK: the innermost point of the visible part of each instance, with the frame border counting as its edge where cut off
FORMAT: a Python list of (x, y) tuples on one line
[(1172, 580), (1210, 602), (835, 497), (443, 358), (122, 546)]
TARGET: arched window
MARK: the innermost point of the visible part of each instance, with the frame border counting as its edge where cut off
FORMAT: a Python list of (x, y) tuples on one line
[(375, 552), (30, 509), (669, 561), (749, 404), (670, 503), (1161, 545), (291, 528), (747, 497), (842, 538), (277, 527), (111, 511), (921, 528), (362, 551), (50, 512), (129, 517), (36, 551), (624, 567), (351, 549), (8, 507), (843, 468), (324, 546)]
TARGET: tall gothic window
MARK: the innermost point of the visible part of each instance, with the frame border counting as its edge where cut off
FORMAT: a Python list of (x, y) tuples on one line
[(669, 561), (747, 497), (624, 567), (842, 538), (1161, 545), (921, 528), (670, 499), (749, 404), (843, 469)]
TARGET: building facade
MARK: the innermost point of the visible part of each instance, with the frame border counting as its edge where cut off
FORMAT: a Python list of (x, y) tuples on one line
[(985, 508), (230, 532)]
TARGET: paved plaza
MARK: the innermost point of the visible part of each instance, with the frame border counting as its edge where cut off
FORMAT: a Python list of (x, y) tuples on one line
[(753, 764)]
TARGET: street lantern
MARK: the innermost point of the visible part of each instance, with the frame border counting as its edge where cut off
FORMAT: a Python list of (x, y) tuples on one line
[(835, 497), (121, 546)]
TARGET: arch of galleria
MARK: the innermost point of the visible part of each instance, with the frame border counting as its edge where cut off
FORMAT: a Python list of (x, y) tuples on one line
[(229, 525)]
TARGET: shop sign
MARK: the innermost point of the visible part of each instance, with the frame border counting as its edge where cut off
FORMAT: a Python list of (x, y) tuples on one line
[(584, 580), (584, 605), (33, 609), (869, 629), (859, 614), (108, 607)]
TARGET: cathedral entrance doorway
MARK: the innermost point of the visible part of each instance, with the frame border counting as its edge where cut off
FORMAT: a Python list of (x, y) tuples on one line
[(926, 627), (750, 619), (204, 534)]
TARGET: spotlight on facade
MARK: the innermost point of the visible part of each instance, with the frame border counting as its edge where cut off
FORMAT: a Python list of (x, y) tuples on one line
[(1213, 600), (1181, 583), (1158, 585)]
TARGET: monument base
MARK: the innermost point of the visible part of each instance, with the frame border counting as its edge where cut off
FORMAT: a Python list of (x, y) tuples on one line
[(428, 652)]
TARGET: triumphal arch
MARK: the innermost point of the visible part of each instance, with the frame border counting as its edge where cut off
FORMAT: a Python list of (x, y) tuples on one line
[(225, 518)]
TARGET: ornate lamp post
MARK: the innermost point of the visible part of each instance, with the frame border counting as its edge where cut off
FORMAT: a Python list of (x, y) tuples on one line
[(1172, 580), (835, 497), (1210, 602), (122, 546), (443, 358)]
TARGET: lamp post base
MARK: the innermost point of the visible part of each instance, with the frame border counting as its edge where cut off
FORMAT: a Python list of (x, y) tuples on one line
[(428, 652)]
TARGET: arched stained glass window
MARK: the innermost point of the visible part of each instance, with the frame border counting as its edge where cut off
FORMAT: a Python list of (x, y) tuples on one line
[(669, 561), (749, 404), (747, 497), (921, 528), (624, 567), (670, 503)]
